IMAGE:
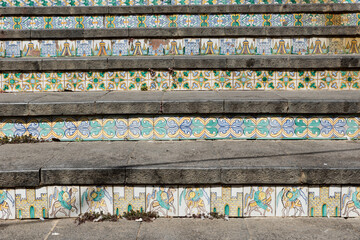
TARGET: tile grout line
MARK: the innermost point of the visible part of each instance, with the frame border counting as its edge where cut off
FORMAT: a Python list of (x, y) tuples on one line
[(52, 229), (138, 233)]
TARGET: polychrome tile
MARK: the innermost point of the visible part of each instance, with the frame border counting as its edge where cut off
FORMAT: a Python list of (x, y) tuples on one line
[(162, 200), (12, 82), (31, 203), (349, 80), (244, 80), (117, 81), (116, 128), (209, 46), (7, 203), (138, 47), (222, 80), (205, 128), (201, 80), (64, 201), (74, 81), (352, 45), (66, 48), (264, 80), (192, 46), (65, 22), (156, 47), (162, 21), (285, 80), (314, 20), (299, 46), (306, 80), (102, 47), (227, 200), (263, 46), (53, 81), (138, 80), (336, 46), (141, 128), (97, 199), (120, 21), (32, 82), (291, 201), (12, 49), (84, 48), (95, 81), (194, 200), (120, 47), (231, 127), (259, 201), (48, 48), (2, 49), (198, 20), (172, 128), (281, 46), (180, 80), (227, 46), (350, 201), (324, 201), (175, 47), (318, 45), (129, 198), (159, 80), (328, 80), (30, 48)]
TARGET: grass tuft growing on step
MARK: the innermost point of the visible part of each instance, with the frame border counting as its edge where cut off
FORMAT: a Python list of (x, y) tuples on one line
[(20, 139)]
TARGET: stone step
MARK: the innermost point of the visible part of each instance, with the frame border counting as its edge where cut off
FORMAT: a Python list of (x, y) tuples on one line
[(241, 31), (181, 9), (235, 62), (180, 162)]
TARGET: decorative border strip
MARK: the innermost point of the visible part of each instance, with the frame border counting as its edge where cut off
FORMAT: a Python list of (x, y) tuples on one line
[(178, 21), (181, 201), (186, 46), (71, 128), (179, 80), (68, 3)]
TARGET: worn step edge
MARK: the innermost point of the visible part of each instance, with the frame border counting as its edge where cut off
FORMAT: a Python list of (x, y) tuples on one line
[(279, 32), (176, 9), (289, 62), (190, 102)]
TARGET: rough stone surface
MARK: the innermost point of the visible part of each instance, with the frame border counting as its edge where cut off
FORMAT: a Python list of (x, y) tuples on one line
[(181, 162)]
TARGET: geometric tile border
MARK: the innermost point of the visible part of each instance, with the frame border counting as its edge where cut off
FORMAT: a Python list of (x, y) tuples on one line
[(85, 128), (181, 201), (203, 80), (185, 46), (177, 21)]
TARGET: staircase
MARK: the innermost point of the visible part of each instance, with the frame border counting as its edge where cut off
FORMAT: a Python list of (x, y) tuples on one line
[(151, 106)]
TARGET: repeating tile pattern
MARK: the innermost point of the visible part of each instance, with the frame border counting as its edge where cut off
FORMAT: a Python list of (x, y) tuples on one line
[(350, 201), (7, 203), (127, 198), (182, 21), (31, 203), (259, 201), (291, 201), (324, 201), (162, 200), (194, 200), (150, 80), (97, 199), (75, 128), (227, 200), (64, 201)]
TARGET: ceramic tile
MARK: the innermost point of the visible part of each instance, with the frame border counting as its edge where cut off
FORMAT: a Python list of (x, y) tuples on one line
[(201, 80), (102, 47), (244, 80), (221, 80), (285, 80), (12, 49), (264, 80), (138, 47), (306, 80), (66, 48), (64, 201), (96, 81), (263, 46), (192, 46), (227, 200), (227, 46), (351, 45), (259, 201), (48, 48), (349, 80), (53, 81), (324, 201), (157, 47), (74, 81), (120, 47), (117, 81), (32, 82), (350, 201), (138, 80), (209, 46), (300, 46), (159, 80), (336, 46), (31, 203), (30, 48), (328, 80), (175, 47), (12, 82), (318, 45), (97, 199), (84, 48), (172, 128), (127, 198), (194, 200), (291, 201), (281, 46), (141, 128), (164, 200), (231, 127), (7, 203), (180, 80), (116, 128), (2, 49)]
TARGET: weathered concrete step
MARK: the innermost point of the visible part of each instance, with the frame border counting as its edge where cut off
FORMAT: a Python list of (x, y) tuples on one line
[(181, 162), (308, 31), (184, 102), (182, 9), (288, 62)]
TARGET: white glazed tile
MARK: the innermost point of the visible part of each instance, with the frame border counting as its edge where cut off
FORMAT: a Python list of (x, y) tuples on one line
[(194, 200), (7, 204), (259, 201), (97, 199), (128, 198), (350, 201), (291, 201), (227, 200), (64, 201), (163, 200)]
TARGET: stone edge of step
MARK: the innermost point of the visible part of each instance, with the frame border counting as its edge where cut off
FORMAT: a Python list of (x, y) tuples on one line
[(177, 9), (160, 33)]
